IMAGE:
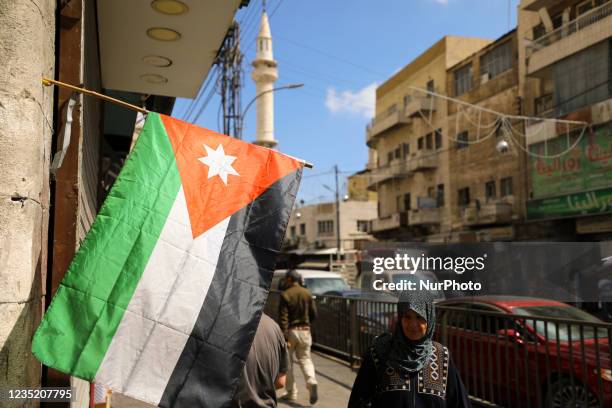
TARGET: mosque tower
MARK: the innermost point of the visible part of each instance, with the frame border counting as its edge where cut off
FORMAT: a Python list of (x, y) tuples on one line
[(264, 74)]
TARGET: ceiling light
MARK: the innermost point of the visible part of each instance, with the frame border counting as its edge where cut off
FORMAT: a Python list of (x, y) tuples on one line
[(157, 61), (170, 7), (163, 34), (154, 79)]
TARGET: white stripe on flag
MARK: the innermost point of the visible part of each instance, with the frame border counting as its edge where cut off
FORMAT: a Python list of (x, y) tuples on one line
[(166, 303)]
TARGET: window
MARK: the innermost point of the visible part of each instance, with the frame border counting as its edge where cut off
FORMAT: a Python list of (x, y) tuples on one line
[(363, 225), (302, 229), (506, 187), (440, 195), (325, 227), (497, 61), (431, 192), (292, 231), (420, 143), (407, 201), (429, 141), (538, 31), (398, 203), (463, 80), (406, 149), (430, 86), (438, 139), (462, 140), (407, 99), (390, 156), (398, 152), (582, 79), (490, 190), (463, 196)]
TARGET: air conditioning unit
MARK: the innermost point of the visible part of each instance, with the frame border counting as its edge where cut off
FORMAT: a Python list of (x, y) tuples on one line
[(484, 78)]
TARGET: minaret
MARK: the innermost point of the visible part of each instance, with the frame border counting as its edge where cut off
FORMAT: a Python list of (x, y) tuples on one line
[(264, 75)]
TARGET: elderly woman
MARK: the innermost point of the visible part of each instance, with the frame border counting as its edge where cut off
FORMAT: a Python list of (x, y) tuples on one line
[(407, 368)]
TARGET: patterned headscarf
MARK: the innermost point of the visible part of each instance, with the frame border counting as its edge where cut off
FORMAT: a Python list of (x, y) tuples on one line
[(405, 354)]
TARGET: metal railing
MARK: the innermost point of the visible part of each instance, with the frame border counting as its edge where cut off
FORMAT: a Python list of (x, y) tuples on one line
[(504, 360), (585, 20)]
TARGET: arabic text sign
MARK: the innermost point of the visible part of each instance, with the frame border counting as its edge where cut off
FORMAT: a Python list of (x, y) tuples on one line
[(591, 202), (588, 166)]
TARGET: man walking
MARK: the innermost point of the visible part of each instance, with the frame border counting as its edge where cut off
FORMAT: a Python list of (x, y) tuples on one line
[(265, 368), (297, 311)]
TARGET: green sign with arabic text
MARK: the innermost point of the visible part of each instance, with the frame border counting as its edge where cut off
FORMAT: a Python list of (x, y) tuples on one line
[(571, 205), (584, 167)]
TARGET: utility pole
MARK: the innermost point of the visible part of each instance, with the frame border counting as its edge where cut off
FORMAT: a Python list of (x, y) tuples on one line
[(230, 64), (338, 241)]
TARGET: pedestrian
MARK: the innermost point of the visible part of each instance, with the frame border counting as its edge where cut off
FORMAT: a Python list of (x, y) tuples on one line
[(297, 312), (407, 368), (265, 368)]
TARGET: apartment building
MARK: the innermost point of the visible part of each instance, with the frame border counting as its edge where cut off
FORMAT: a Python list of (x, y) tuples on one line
[(565, 61), (487, 180), (408, 143), (312, 228)]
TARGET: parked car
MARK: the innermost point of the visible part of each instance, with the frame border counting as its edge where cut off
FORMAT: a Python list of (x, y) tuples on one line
[(318, 282), (519, 351)]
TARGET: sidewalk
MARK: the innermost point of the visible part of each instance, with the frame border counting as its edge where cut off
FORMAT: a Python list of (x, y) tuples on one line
[(335, 380), (334, 376)]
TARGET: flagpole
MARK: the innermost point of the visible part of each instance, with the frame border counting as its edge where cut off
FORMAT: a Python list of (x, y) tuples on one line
[(49, 82)]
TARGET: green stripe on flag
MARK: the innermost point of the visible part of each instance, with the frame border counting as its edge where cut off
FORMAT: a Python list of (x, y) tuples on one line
[(89, 304)]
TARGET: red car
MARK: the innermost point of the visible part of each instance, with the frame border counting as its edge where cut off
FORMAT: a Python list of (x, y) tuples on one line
[(518, 351)]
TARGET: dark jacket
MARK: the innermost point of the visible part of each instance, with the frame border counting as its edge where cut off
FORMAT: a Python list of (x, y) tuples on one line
[(437, 385), (297, 307)]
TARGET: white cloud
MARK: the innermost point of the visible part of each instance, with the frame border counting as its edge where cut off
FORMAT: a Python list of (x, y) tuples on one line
[(359, 102), (444, 2)]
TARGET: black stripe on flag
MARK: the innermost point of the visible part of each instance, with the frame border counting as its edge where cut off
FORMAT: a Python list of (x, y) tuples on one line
[(209, 367)]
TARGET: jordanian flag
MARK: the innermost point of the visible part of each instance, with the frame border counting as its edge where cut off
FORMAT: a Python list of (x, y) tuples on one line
[(162, 300)]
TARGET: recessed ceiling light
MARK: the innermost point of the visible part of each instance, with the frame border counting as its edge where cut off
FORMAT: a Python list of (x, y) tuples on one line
[(154, 79), (157, 61), (170, 7), (163, 34)]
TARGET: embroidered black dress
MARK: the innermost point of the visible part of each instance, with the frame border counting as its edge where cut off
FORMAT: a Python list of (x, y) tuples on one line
[(437, 384)]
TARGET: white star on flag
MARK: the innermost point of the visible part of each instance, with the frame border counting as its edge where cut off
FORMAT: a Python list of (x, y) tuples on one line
[(219, 164)]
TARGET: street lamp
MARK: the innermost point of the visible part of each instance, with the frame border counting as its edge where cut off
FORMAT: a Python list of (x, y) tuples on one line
[(289, 86)]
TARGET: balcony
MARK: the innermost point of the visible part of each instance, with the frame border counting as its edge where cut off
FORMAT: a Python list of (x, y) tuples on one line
[(420, 105), (383, 123), (422, 160), (424, 216), (397, 168), (581, 33), (495, 212), (394, 221)]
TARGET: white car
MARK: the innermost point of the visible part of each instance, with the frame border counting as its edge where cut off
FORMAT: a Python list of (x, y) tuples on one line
[(318, 282)]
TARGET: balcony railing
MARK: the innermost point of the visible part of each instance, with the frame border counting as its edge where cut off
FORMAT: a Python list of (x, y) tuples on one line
[(424, 216), (394, 221), (583, 21), (396, 169), (421, 104), (385, 122), (494, 212), (425, 159)]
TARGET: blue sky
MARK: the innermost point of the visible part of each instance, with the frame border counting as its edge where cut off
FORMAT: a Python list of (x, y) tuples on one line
[(341, 50)]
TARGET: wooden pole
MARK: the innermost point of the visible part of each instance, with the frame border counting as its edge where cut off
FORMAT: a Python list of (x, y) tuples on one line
[(49, 82)]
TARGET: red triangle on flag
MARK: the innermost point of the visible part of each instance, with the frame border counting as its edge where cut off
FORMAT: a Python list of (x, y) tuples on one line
[(221, 174)]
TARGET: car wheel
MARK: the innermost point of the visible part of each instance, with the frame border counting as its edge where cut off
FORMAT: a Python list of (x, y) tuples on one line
[(562, 394)]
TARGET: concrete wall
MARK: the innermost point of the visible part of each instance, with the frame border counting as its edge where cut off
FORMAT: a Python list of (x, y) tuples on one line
[(27, 50)]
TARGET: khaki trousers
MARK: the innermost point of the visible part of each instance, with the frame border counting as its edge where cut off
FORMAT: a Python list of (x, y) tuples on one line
[(299, 346)]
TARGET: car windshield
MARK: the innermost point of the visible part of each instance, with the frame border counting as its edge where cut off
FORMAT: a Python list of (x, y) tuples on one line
[(560, 331), (318, 286), (398, 277)]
